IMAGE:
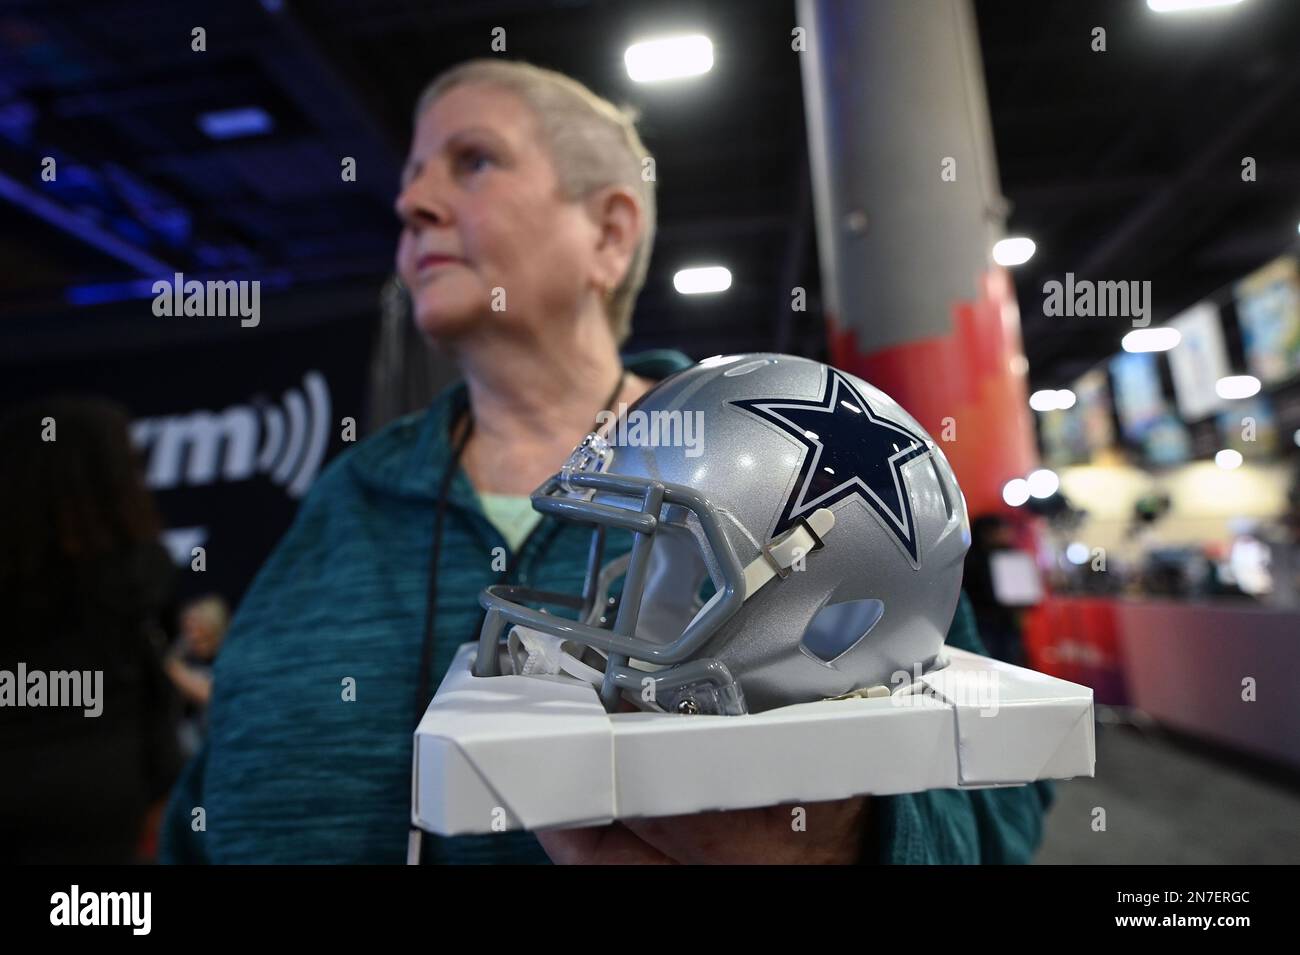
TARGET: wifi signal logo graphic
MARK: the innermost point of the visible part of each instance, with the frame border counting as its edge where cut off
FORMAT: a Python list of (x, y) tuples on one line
[(203, 447)]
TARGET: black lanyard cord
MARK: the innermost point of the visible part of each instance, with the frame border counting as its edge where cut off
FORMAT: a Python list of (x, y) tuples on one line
[(415, 842), (439, 516), (431, 593)]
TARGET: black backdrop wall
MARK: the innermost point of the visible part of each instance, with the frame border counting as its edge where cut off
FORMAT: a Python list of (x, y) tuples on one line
[(234, 423)]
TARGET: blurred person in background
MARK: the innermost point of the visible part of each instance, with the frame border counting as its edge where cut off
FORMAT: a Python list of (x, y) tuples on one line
[(85, 585), (189, 663), (1282, 537), (522, 189), (998, 623), (1210, 572)]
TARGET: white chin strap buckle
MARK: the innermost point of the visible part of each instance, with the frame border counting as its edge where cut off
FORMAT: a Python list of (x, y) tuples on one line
[(778, 557)]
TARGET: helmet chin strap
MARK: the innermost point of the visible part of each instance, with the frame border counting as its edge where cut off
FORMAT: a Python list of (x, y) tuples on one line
[(533, 652), (776, 559)]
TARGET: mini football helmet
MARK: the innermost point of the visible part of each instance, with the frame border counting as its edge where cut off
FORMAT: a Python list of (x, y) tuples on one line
[(825, 521)]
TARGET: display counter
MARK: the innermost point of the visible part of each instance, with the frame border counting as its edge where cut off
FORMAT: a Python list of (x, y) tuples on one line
[(1225, 671)]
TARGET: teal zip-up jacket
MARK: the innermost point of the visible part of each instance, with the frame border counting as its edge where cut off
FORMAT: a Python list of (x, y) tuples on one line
[(293, 771)]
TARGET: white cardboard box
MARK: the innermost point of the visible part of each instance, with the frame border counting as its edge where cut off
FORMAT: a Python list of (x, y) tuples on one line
[(532, 752)]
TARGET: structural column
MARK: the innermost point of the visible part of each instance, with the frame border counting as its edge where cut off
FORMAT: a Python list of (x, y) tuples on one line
[(908, 207)]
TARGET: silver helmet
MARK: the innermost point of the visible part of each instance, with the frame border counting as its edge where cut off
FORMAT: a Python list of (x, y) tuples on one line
[(825, 520)]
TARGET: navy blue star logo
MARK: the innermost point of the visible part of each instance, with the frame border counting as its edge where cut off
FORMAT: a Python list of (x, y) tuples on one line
[(850, 452)]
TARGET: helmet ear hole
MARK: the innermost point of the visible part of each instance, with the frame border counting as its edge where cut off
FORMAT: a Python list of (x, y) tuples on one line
[(838, 628)]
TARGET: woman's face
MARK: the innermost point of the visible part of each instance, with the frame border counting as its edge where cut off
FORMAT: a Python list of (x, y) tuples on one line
[(486, 237), (200, 635)]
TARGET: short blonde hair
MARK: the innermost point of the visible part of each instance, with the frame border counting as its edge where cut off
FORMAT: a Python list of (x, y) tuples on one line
[(592, 143)]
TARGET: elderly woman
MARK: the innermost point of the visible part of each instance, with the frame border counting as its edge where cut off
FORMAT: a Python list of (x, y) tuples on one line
[(527, 227)]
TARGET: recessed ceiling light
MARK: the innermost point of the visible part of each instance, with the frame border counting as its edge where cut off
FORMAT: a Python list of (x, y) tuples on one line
[(1151, 339), (1183, 6), (699, 281), (1014, 251), (1237, 386), (669, 58)]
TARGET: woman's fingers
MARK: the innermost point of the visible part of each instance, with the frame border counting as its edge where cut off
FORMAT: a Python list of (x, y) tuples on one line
[(599, 845)]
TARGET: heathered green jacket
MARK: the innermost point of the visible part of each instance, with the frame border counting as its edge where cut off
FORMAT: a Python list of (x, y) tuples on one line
[(291, 773)]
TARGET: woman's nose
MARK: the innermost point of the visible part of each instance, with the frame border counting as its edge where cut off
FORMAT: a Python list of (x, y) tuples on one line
[(417, 204)]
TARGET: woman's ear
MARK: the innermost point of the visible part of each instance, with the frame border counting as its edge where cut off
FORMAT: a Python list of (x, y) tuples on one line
[(616, 211)]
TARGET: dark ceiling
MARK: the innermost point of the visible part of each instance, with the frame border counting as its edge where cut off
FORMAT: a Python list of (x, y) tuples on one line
[(1127, 164), (1123, 164)]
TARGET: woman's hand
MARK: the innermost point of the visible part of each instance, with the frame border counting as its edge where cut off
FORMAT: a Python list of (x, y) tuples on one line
[(827, 833)]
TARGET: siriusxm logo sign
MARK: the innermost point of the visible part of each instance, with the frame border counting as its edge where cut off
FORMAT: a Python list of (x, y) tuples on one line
[(204, 447)]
